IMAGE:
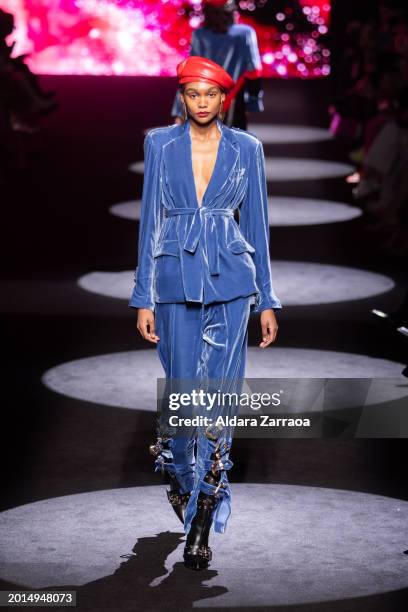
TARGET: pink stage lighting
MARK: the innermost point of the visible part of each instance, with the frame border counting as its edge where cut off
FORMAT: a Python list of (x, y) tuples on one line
[(149, 37)]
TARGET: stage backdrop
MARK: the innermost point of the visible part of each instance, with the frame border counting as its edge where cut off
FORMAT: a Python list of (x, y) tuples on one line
[(149, 37)]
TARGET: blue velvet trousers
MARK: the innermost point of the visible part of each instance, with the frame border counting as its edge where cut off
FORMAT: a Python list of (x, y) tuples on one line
[(204, 346)]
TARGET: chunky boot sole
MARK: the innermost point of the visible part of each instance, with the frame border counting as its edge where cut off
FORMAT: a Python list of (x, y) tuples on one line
[(197, 554), (197, 558)]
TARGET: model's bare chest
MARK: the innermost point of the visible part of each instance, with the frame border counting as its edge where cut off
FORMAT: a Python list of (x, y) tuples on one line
[(204, 157)]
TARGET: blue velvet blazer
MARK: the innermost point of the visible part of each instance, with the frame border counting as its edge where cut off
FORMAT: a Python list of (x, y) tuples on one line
[(201, 254)]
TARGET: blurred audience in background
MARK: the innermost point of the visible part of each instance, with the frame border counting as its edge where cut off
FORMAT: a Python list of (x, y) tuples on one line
[(22, 103), (370, 114)]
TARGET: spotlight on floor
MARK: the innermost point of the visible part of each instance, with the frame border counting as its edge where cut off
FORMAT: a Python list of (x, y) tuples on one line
[(403, 330), (379, 313), (396, 319)]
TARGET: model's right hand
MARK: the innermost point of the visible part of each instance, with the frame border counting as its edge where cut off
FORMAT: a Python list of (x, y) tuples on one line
[(145, 324)]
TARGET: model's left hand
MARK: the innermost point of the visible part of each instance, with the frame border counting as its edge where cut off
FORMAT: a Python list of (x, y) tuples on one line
[(269, 327)]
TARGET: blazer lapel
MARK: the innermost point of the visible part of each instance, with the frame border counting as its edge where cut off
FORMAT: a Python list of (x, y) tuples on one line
[(227, 160), (179, 166), (176, 168)]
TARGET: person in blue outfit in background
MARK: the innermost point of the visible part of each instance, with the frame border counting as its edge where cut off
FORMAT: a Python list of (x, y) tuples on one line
[(199, 276), (233, 46)]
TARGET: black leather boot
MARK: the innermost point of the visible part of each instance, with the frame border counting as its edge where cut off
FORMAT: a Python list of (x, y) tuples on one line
[(197, 554), (177, 499)]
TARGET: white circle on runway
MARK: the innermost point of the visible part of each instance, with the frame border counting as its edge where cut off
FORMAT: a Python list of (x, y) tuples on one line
[(110, 284), (287, 134), (127, 210), (270, 133), (308, 211), (282, 211), (137, 167), (129, 379), (295, 282), (278, 169), (307, 544)]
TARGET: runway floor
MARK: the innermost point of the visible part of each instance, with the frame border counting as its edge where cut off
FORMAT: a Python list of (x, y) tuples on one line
[(317, 524)]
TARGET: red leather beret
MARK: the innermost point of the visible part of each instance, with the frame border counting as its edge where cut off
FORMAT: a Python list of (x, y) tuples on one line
[(197, 68)]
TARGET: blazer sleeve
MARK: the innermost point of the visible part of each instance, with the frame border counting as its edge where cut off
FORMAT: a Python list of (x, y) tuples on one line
[(254, 225), (142, 295)]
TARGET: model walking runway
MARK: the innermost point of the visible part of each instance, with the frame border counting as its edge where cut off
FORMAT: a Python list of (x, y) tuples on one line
[(199, 276)]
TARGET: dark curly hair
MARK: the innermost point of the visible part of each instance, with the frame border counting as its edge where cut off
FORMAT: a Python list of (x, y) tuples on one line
[(219, 18)]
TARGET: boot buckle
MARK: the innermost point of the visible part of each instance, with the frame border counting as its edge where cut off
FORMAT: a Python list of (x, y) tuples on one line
[(155, 449), (220, 485), (217, 466)]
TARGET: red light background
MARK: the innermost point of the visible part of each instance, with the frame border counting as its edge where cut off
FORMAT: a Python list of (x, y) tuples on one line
[(131, 37)]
